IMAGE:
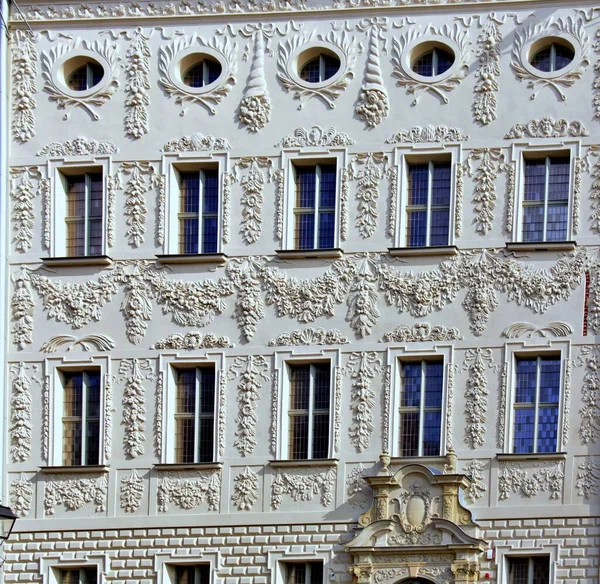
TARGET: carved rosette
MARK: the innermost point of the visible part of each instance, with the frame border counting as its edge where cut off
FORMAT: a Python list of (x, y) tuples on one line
[(189, 490), (302, 484), (245, 490), (185, 96), (373, 103), (105, 53), (24, 68), (137, 86), (486, 86), (255, 108), (131, 492), (476, 362)]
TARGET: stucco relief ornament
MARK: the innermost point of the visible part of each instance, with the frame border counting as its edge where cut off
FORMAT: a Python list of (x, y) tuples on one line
[(273, 427), (21, 496), (131, 492), (133, 372), (255, 108), (193, 340), (75, 493), (422, 134), (547, 127), (189, 490), (252, 184), (528, 330), (80, 146), (309, 336), (158, 414), (362, 369), (574, 30), (24, 70), (373, 103), (476, 402), (486, 86), (20, 412), (245, 490), (439, 85), (513, 479), (136, 208), (589, 430), (358, 492), (168, 60), (303, 484), (344, 45), (594, 151), (484, 196), (316, 136), (368, 169), (197, 143), (106, 54), (363, 298), (420, 332), (474, 469), (25, 185), (22, 308), (109, 410), (252, 371), (137, 86), (588, 478), (245, 274), (87, 343)]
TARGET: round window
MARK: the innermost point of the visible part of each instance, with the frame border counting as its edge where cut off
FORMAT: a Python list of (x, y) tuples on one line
[(82, 74), (200, 70), (433, 62), (552, 57), (318, 65)]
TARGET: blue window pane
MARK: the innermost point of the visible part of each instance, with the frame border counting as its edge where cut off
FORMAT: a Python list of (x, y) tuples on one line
[(305, 230), (440, 188), (331, 66), (444, 61), (434, 377), (535, 179), (189, 236), (424, 65), (547, 429), (409, 434), (418, 181), (558, 179), (432, 423), (328, 186), (549, 381), (305, 187), (326, 230), (556, 228), (411, 390), (439, 229), (209, 234), (190, 192), (533, 224), (211, 192), (417, 228), (524, 430), (526, 381)]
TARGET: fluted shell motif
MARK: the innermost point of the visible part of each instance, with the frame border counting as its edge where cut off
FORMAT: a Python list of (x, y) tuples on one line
[(255, 107), (373, 104)]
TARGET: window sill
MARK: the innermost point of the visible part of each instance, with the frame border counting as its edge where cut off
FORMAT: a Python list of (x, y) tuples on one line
[(509, 456), (80, 469), (99, 260), (541, 245), (193, 258), (303, 462), (425, 460), (173, 466), (437, 250), (309, 254)]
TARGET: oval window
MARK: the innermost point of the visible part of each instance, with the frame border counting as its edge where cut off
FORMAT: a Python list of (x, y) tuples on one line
[(85, 76), (552, 57), (204, 71), (433, 62), (320, 68)]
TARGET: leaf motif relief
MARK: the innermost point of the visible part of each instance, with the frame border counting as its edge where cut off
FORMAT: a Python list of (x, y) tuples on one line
[(135, 201), (137, 86), (24, 69), (25, 185), (21, 412), (132, 491), (476, 402), (245, 490), (486, 86)]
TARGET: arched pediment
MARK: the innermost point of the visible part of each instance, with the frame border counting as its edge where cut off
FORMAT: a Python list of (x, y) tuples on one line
[(416, 527)]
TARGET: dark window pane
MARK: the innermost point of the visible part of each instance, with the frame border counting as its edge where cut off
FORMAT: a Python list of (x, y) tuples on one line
[(431, 433), (320, 435), (411, 390), (524, 430), (434, 381), (535, 179), (417, 228), (547, 429), (322, 386), (418, 184), (409, 434), (549, 380), (526, 379), (305, 231), (299, 437)]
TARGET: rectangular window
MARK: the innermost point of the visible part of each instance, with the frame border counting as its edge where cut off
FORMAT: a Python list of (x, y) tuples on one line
[(309, 411), (78, 576), (304, 572), (81, 418), (428, 208), (192, 574), (84, 214), (537, 390), (195, 415), (421, 408), (546, 199), (198, 211), (533, 570), (315, 207)]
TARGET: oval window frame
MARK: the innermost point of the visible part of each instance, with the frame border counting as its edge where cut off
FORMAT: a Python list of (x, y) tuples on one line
[(296, 62), (424, 44), (185, 59), (540, 42), (62, 70)]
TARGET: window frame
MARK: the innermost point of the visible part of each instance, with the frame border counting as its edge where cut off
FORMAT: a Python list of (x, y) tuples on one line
[(163, 562), (277, 559), (58, 170), (291, 158), (422, 351), (282, 359), (534, 348), (405, 155), (505, 551), (50, 567), (54, 367), (520, 151), (172, 165), (169, 363)]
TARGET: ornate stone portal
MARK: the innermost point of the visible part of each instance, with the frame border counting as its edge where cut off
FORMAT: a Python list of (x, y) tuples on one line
[(416, 529)]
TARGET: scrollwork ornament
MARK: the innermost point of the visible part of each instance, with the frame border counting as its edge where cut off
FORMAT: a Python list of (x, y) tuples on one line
[(209, 99), (302, 484), (192, 341), (450, 374), (421, 332), (575, 30), (567, 403), (594, 151), (393, 202), (476, 362), (106, 52), (24, 70), (255, 108), (137, 86), (21, 496), (486, 86), (358, 492), (373, 103), (547, 127), (344, 43), (80, 146), (337, 409), (131, 492), (315, 137), (45, 451), (362, 368), (251, 371), (309, 336), (245, 490), (429, 133), (437, 86), (87, 342)]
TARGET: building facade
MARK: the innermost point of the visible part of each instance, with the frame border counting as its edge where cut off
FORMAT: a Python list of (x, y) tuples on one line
[(302, 291)]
